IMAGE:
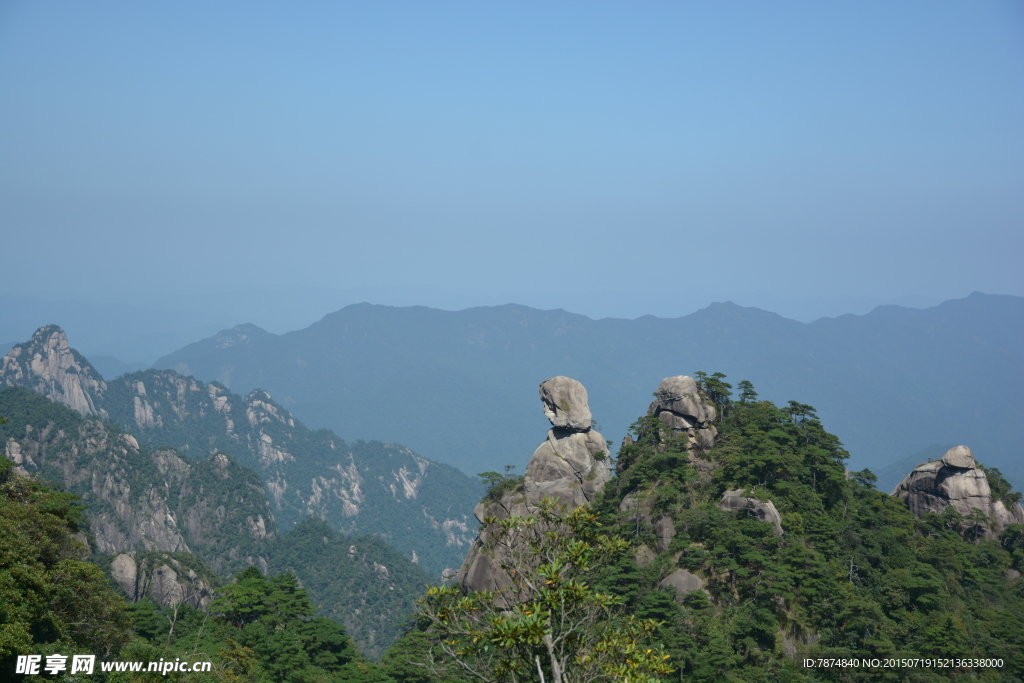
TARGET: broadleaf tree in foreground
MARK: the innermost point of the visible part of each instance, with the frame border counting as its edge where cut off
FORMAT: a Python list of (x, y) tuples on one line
[(548, 623)]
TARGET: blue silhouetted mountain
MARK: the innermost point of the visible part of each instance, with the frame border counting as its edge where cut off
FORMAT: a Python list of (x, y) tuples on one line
[(459, 387)]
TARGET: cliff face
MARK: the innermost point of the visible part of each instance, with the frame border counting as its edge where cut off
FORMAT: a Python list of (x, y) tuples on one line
[(956, 481), (140, 500), (166, 579), (49, 366), (571, 466), (419, 506)]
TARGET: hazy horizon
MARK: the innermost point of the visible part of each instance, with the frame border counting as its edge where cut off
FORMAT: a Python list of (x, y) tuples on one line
[(269, 163), (138, 336)]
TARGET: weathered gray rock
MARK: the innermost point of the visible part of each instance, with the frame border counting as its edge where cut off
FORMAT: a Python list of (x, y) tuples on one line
[(638, 504), (565, 404), (644, 556), (570, 467), (664, 531), (162, 578), (960, 457), (955, 481), (49, 366), (682, 581), (734, 501), (125, 572), (680, 397), (485, 574), (685, 413)]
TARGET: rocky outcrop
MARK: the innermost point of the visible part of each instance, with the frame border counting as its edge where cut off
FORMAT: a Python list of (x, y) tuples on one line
[(679, 405), (685, 422), (572, 464), (570, 467), (955, 481), (643, 555), (664, 531), (682, 581), (163, 578), (764, 511), (565, 404), (49, 366), (637, 506)]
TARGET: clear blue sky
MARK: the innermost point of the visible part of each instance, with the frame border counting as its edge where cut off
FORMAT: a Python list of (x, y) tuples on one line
[(608, 158)]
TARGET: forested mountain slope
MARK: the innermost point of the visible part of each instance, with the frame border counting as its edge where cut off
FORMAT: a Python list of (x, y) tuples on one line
[(751, 551), (455, 386), (359, 581), (419, 506), (162, 525), (58, 608), (137, 498)]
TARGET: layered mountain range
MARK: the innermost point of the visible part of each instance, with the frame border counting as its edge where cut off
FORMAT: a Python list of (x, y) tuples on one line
[(455, 386), (749, 539)]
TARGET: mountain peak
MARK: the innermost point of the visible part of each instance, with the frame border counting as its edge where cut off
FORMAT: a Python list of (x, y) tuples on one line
[(240, 334), (48, 365)]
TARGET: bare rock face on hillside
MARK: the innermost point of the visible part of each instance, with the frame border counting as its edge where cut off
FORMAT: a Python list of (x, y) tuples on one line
[(305, 473), (955, 481), (152, 501), (683, 582), (49, 366), (571, 467), (161, 577), (765, 511)]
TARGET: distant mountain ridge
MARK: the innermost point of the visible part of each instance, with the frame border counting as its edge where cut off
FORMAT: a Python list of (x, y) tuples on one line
[(455, 385), (421, 507)]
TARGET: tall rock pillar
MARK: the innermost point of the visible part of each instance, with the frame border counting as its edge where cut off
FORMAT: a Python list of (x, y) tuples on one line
[(570, 466)]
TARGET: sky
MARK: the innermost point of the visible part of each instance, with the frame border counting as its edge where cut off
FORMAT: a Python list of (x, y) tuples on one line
[(272, 162)]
